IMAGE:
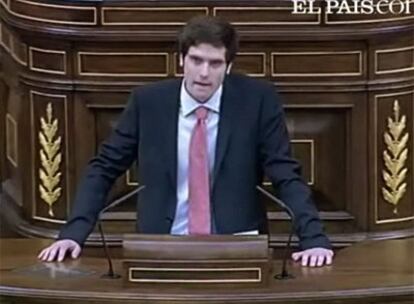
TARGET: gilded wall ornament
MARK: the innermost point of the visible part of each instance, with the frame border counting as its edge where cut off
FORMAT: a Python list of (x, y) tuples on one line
[(395, 157), (50, 159)]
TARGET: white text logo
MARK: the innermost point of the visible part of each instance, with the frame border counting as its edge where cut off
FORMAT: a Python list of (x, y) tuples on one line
[(353, 7)]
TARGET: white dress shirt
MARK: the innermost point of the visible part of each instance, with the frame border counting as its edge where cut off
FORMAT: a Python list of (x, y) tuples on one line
[(186, 122)]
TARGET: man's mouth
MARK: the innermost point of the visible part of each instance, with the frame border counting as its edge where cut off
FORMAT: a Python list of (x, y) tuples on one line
[(202, 84)]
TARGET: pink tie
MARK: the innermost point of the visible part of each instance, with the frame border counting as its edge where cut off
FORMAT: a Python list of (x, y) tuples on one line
[(199, 188)]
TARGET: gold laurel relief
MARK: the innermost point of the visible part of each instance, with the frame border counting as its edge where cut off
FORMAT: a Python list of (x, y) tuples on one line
[(50, 159), (395, 157)]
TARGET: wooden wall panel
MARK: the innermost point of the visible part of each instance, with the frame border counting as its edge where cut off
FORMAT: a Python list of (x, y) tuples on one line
[(149, 15), (5, 37), (326, 128), (49, 117), (251, 63), (19, 51), (394, 162), (53, 13), (263, 15), (338, 76), (11, 140), (394, 60), (317, 64), (123, 64), (12, 132), (49, 61), (304, 151), (4, 3)]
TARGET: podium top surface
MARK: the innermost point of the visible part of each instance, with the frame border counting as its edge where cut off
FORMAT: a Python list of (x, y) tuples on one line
[(375, 270)]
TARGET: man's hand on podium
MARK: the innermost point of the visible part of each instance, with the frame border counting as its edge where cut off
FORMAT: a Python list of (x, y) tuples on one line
[(57, 251), (314, 257)]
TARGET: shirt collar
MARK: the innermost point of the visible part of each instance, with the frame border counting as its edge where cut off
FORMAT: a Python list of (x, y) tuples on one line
[(189, 104)]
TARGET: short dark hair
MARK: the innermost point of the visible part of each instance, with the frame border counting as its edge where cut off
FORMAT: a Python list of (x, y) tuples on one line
[(212, 30)]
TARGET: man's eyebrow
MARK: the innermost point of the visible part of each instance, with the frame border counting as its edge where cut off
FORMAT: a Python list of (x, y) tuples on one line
[(214, 60), (194, 56), (217, 60)]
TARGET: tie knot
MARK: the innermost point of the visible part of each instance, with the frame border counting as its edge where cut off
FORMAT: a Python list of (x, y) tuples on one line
[(201, 113)]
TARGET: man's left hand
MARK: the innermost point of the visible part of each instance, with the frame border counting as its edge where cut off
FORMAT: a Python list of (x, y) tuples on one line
[(314, 257)]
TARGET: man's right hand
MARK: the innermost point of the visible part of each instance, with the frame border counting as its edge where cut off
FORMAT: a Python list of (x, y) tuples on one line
[(57, 251)]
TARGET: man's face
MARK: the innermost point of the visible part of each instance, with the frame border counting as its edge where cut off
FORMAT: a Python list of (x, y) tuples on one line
[(204, 70)]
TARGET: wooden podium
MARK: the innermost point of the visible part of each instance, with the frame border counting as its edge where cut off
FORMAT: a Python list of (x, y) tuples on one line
[(213, 261), (370, 272)]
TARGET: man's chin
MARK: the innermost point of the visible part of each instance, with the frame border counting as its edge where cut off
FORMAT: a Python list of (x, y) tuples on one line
[(202, 97), (201, 94)]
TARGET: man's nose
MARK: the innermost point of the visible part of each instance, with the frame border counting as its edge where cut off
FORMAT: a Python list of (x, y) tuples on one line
[(205, 69)]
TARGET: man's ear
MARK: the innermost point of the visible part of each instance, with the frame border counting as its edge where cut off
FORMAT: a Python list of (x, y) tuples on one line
[(229, 68), (181, 60)]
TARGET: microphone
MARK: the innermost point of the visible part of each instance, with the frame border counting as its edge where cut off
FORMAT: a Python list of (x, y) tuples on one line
[(111, 274), (283, 275)]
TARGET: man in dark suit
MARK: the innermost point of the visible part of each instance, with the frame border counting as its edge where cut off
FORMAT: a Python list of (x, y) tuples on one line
[(203, 143)]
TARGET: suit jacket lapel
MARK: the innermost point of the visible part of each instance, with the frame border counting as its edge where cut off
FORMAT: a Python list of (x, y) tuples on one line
[(228, 113)]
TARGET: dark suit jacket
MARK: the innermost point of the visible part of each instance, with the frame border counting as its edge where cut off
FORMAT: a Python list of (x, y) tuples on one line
[(252, 139)]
